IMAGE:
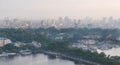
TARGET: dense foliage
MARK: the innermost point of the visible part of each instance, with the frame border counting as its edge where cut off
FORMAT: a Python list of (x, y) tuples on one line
[(69, 35), (11, 48), (49, 34), (80, 53)]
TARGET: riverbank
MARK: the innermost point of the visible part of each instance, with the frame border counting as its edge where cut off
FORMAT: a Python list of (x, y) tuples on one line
[(34, 59), (22, 52), (55, 54), (70, 58), (7, 54)]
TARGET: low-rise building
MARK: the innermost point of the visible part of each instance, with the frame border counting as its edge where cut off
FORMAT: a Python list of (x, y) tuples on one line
[(4, 41), (18, 44), (36, 44)]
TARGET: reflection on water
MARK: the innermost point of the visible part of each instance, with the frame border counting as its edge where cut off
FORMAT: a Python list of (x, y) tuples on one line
[(112, 52), (39, 59)]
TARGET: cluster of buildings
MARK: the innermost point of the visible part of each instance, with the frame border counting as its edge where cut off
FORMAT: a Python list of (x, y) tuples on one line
[(85, 44), (33, 43), (92, 37), (94, 45), (62, 22), (5, 41)]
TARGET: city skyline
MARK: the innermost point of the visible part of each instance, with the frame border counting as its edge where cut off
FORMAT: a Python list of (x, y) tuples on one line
[(36, 9), (62, 22)]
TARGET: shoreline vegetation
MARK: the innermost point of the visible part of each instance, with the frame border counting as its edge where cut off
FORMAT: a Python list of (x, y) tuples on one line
[(54, 46), (101, 58), (61, 49)]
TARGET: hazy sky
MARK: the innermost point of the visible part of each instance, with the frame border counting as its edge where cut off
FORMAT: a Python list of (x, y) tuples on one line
[(35, 9)]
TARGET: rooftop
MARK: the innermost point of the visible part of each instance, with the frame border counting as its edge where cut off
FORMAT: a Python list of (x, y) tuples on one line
[(3, 38)]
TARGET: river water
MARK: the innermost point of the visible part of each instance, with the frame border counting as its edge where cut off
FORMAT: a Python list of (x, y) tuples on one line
[(112, 52), (39, 59)]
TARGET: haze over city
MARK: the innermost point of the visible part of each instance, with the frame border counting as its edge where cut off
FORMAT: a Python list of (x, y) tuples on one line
[(59, 32), (36, 9)]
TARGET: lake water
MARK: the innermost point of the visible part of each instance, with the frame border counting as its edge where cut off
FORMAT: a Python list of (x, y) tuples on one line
[(39, 59), (112, 52)]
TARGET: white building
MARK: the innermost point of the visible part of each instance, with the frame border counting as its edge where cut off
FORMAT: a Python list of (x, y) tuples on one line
[(18, 44), (36, 44), (4, 41)]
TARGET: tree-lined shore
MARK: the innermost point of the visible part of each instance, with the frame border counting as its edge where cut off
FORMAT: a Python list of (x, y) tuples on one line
[(45, 36)]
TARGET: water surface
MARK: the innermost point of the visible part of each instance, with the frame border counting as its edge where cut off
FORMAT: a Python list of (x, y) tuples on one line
[(112, 52), (39, 59)]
